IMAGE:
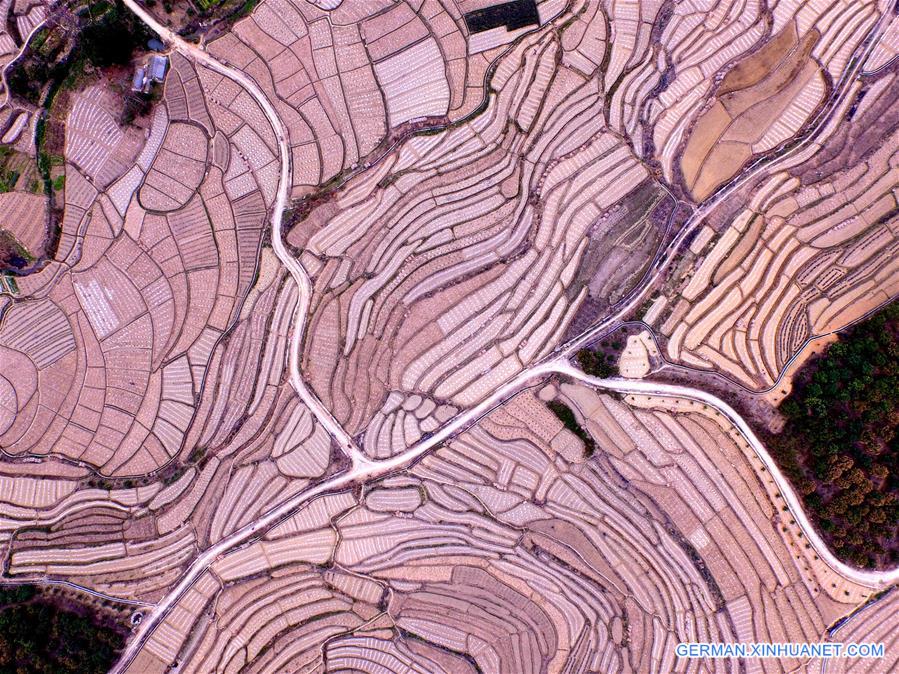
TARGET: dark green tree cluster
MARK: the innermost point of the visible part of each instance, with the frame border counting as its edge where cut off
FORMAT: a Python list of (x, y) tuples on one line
[(41, 62), (840, 444), (111, 34), (595, 363), (12, 255), (39, 635), (567, 417), (105, 34), (16, 594)]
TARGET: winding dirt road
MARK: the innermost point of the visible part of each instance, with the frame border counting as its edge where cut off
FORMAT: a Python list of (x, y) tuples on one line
[(363, 469), (873, 579), (297, 272)]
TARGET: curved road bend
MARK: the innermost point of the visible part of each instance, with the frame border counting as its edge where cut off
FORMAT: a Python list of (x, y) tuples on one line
[(75, 586), (561, 365), (363, 468), (873, 579)]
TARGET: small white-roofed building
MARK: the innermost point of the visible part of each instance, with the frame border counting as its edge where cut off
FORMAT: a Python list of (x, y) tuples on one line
[(158, 65), (139, 81), (154, 70)]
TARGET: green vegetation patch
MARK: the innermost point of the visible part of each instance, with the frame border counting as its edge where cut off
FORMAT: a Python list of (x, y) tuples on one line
[(56, 62), (840, 443), (11, 284), (8, 180), (567, 417), (13, 255), (195, 19), (13, 165), (596, 364), (39, 634), (43, 158)]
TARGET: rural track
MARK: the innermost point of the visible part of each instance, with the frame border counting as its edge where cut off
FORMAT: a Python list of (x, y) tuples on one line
[(664, 258), (294, 267), (18, 582), (363, 469)]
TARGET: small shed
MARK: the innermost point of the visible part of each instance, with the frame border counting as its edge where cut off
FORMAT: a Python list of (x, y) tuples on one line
[(139, 81), (158, 66)]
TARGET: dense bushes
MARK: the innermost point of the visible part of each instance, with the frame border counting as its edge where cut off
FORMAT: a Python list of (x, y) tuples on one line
[(40, 635), (112, 38), (12, 255), (596, 364), (96, 35), (567, 417), (840, 444)]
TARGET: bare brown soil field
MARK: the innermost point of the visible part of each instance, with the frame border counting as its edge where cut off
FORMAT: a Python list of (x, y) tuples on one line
[(750, 99)]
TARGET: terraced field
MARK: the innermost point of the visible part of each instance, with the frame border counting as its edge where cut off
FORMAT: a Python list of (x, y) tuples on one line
[(809, 253), (296, 383)]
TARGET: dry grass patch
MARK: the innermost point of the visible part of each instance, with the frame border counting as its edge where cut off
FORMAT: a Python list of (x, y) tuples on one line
[(750, 100)]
